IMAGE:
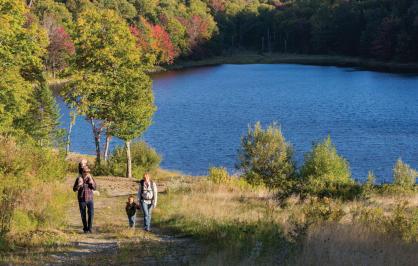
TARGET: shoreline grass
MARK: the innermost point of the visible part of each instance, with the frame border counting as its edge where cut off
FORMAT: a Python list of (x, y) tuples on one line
[(226, 223)]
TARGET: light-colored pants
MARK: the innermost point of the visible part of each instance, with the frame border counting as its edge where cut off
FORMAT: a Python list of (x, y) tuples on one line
[(147, 210)]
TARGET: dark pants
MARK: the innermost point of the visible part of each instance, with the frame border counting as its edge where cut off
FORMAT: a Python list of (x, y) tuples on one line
[(132, 220), (147, 210), (87, 222)]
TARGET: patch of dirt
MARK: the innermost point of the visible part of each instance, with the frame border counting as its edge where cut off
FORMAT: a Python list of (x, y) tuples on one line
[(112, 242)]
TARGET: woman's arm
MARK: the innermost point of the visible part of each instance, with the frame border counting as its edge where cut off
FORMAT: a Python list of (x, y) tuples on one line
[(91, 183), (139, 192), (77, 184), (155, 192)]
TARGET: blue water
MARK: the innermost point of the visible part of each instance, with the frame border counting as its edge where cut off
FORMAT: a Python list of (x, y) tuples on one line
[(202, 113)]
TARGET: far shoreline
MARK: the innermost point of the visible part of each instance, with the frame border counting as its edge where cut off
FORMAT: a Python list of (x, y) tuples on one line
[(300, 59)]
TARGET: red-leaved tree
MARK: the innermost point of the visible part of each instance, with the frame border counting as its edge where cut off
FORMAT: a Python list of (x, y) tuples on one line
[(154, 42), (197, 30), (60, 49), (163, 44)]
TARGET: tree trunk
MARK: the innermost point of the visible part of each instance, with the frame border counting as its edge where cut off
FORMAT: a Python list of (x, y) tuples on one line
[(129, 160), (106, 148), (73, 117), (96, 133)]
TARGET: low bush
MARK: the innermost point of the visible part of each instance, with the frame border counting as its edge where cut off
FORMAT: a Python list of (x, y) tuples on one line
[(313, 212), (32, 194), (401, 222), (369, 187), (266, 158), (403, 175), (404, 179), (144, 159), (218, 175), (326, 174)]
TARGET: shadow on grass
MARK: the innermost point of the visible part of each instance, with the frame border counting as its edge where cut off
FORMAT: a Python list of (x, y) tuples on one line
[(233, 242)]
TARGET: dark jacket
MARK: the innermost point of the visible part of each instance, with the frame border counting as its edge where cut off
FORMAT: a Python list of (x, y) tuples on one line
[(131, 208), (84, 188)]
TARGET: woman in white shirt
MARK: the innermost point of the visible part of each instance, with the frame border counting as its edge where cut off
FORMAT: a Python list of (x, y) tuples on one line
[(147, 197)]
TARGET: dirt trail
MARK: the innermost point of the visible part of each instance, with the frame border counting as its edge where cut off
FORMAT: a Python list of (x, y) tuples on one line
[(111, 237)]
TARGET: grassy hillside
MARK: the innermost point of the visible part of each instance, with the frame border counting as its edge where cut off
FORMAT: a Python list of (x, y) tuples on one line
[(203, 223)]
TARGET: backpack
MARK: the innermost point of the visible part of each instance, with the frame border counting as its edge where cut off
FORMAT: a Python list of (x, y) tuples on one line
[(147, 194)]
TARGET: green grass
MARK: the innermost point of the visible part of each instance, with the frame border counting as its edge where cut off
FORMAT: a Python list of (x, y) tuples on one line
[(234, 224)]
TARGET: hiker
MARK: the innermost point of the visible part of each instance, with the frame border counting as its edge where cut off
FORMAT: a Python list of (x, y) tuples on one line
[(82, 163), (131, 207), (147, 197), (84, 186)]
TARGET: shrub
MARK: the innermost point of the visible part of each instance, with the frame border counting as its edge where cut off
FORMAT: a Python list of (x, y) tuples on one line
[(368, 187), (403, 175), (30, 187), (144, 159), (402, 222), (266, 157), (315, 211), (327, 174), (218, 175)]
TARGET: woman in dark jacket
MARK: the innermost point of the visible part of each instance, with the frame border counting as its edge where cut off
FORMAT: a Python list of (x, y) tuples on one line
[(84, 186)]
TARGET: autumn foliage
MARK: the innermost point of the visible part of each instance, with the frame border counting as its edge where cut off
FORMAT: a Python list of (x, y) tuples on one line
[(60, 48), (154, 42)]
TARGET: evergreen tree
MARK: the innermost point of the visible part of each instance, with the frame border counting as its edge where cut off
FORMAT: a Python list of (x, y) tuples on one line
[(42, 119)]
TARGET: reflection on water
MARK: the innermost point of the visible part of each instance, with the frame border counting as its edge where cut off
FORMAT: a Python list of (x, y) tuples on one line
[(202, 113)]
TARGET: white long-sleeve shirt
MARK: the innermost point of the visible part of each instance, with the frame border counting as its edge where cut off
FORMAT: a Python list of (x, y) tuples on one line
[(150, 187)]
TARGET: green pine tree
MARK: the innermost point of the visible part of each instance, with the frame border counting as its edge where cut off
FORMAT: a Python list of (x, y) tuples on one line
[(42, 120)]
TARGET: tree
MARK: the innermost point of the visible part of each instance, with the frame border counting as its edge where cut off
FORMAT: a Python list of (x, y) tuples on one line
[(403, 175), (163, 45), (325, 172), (266, 157), (42, 119), (13, 99), (144, 159), (23, 44), (176, 30), (154, 42), (60, 49), (123, 7), (52, 12), (104, 45), (132, 109)]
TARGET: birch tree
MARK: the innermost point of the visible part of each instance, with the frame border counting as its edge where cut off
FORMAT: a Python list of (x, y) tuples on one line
[(132, 109), (104, 45)]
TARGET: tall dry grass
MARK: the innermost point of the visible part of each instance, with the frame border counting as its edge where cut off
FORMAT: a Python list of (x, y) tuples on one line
[(245, 225), (354, 244)]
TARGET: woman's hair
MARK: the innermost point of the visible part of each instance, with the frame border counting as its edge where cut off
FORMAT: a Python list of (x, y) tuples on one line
[(81, 165), (80, 168), (130, 197), (85, 169)]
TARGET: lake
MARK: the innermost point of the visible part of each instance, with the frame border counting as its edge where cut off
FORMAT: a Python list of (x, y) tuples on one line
[(202, 113)]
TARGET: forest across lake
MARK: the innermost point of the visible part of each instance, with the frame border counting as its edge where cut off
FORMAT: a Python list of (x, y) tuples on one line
[(202, 113)]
